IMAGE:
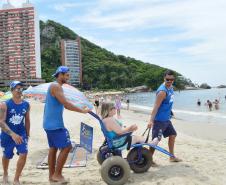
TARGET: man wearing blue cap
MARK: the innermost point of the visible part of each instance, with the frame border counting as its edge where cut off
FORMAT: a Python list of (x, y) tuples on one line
[(57, 135), (15, 125)]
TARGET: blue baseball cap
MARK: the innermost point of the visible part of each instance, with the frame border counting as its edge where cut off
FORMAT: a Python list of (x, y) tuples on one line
[(13, 84), (61, 69)]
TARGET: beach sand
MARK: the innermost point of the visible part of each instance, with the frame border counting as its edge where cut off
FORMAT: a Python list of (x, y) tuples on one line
[(201, 146)]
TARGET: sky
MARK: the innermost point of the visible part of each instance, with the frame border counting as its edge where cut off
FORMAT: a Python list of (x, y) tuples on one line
[(188, 36)]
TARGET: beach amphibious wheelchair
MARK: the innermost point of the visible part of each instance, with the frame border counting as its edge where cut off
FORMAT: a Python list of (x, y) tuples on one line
[(115, 170)]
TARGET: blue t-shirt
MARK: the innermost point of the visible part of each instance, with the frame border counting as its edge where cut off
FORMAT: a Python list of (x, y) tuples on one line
[(53, 113), (15, 116), (165, 108)]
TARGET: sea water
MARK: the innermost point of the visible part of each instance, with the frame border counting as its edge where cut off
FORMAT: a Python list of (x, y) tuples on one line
[(185, 104)]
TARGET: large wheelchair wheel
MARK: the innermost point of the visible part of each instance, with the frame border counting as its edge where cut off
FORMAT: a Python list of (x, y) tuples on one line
[(140, 159), (115, 170)]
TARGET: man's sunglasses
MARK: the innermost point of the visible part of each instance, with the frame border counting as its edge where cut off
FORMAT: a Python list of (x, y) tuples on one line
[(169, 79), (19, 89)]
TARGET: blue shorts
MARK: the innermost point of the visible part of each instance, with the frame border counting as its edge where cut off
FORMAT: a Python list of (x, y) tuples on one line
[(166, 127), (59, 138), (8, 146)]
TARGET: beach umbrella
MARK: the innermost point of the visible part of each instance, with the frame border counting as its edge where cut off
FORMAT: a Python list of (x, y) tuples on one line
[(29, 88), (71, 93), (1, 93), (6, 96)]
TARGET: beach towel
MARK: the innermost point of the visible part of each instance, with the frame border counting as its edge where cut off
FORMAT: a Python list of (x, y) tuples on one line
[(76, 158)]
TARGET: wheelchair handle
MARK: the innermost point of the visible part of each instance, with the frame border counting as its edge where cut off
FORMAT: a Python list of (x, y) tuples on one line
[(147, 138), (95, 115)]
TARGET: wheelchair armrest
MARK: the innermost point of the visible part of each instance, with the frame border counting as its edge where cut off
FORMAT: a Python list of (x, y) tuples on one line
[(120, 141)]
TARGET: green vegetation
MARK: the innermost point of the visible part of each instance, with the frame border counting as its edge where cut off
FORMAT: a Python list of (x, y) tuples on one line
[(4, 89), (101, 69)]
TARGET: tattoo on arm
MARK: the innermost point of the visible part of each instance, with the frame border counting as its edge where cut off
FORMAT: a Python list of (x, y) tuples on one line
[(2, 112), (5, 128), (3, 125)]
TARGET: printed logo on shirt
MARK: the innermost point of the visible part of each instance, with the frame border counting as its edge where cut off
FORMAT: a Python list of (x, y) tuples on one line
[(13, 111), (16, 119), (171, 98), (24, 111)]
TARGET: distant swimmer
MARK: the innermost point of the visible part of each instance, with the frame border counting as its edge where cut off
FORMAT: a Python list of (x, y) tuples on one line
[(209, 104), (127, 102), (198, 102), (216, 104)]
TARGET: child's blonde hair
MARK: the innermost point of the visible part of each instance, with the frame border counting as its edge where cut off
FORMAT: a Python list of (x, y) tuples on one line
[(106, 108)]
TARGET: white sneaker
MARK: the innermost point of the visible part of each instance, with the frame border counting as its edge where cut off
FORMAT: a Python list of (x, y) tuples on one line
[(155, 141)]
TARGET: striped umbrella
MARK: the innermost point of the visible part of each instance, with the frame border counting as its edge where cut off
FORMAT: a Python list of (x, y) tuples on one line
[(6, 96), (1, 93), (71, 93)]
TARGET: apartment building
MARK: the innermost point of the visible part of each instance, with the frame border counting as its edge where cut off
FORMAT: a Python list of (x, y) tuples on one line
[(19, 45), (71, 57)]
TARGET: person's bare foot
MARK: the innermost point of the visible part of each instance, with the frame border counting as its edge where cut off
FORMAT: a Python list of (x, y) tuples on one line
[(59, 180), (16, 182), (5, 180), (175, 159)]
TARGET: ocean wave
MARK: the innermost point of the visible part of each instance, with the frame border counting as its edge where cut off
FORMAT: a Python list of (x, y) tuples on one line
[(197, 113), (147, 109)]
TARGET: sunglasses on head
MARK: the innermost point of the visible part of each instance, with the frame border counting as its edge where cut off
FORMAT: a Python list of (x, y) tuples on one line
[(169, 79)]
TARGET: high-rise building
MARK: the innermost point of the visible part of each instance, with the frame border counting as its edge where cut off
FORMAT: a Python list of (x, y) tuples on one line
[(19, 45), (71, 57)]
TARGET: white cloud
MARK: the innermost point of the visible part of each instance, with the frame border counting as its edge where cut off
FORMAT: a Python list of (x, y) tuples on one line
[(64, 6), (14, 2), (129, 16), (18, 3), (43, 17)]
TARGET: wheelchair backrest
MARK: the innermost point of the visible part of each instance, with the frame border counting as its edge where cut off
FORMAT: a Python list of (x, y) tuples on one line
[(103, 128)]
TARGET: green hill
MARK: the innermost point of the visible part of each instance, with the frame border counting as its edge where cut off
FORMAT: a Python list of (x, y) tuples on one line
[(102, 69)]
